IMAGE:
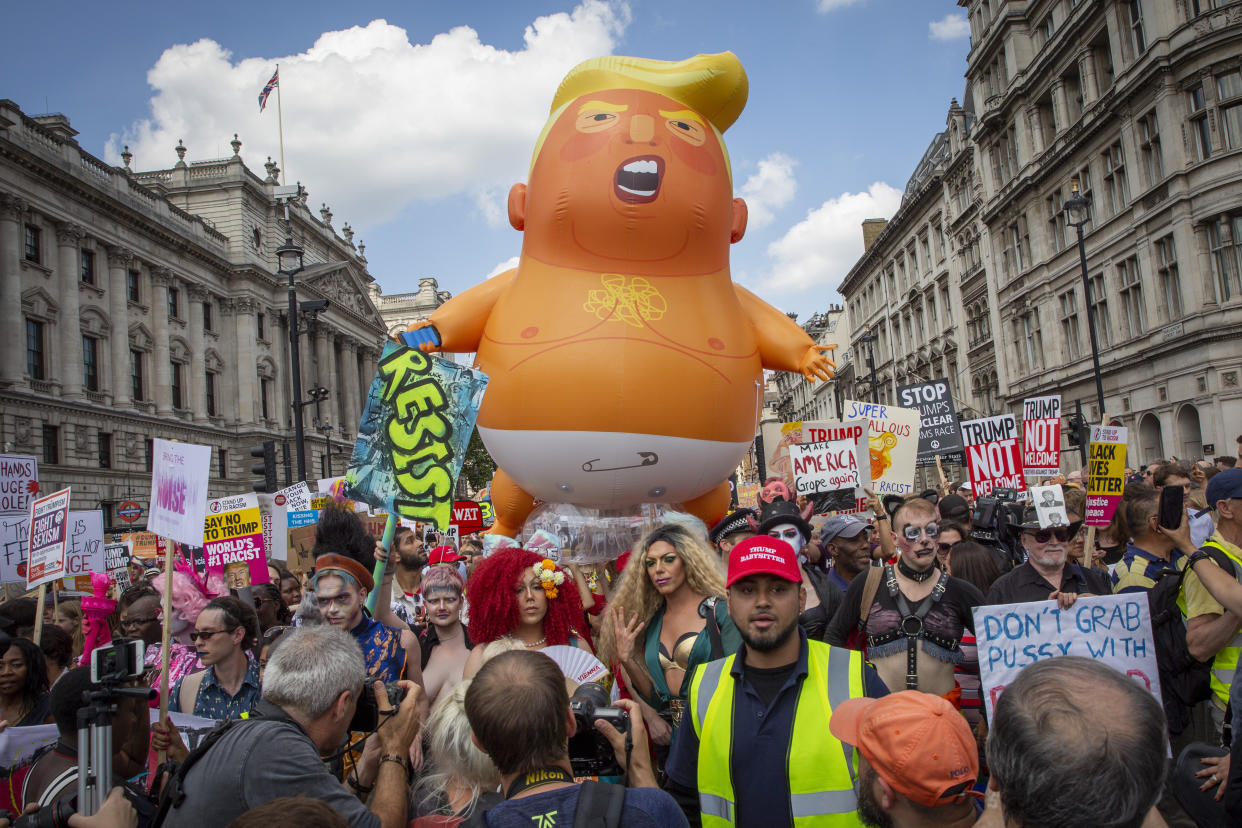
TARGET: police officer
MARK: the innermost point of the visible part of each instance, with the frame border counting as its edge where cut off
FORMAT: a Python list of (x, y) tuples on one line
[(759, 751)]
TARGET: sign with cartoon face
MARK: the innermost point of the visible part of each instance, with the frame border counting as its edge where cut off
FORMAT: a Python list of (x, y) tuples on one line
[(892, 446)]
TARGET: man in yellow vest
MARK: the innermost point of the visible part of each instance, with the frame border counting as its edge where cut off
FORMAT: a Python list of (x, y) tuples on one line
[(1214, 633), (756, 749)]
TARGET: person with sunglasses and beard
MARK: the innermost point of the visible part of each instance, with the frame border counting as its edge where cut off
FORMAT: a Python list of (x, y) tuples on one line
[(1048, 574), (911, 614)]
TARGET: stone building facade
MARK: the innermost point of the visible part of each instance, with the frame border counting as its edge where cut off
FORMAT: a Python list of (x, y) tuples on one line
[(400, 310), (146, 304), (789, 395), (1139, 104)]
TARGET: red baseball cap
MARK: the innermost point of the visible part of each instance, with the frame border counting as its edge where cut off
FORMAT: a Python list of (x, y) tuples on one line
[(763, 555), (443, 555), (918, 743)]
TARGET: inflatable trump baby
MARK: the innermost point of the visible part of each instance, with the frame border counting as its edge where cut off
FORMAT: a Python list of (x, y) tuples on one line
[(626, 366)]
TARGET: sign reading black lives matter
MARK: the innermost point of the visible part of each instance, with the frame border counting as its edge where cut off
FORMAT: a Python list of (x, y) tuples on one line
[(938, 431)]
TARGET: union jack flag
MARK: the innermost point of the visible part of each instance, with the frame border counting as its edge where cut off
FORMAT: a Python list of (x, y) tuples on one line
[(267, 90)]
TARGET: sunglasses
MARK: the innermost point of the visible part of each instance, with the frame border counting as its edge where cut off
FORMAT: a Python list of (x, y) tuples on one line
[(787, 534), (944, 547), (911, 532), (1045, 535), (203, 635)]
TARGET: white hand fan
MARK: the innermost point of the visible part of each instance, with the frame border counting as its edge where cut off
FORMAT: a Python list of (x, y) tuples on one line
[(581, 667)]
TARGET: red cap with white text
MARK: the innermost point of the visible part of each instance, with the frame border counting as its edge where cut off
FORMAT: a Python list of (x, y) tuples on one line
[(763, 555)]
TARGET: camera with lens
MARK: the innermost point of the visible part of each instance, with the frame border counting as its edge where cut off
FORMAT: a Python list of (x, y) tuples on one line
[(55, 815), (366, 716), (119, 662), (590, 754), (989, 526)]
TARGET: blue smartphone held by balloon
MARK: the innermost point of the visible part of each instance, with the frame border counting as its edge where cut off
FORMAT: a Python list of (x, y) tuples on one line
[(412, 339)]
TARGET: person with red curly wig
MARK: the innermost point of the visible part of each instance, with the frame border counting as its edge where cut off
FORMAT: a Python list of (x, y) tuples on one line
[(516, 593)]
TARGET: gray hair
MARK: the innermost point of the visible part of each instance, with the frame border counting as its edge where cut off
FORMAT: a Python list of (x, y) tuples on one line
[(1077, 744), (311, 668)]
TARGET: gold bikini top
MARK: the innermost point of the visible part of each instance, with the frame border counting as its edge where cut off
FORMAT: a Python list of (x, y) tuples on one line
[(681, 653)]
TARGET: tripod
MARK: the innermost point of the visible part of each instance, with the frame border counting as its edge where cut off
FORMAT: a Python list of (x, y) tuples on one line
[(95, 741)]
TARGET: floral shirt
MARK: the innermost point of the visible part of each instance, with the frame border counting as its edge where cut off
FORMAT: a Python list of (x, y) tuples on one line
[(381, 647), (214, 702), (182, 660)]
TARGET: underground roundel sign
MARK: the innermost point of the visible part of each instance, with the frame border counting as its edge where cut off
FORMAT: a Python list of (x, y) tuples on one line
[(129, 511)]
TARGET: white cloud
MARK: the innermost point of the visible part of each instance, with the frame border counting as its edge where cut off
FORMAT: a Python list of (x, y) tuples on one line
[(825, 6), (951, 27), (769, 188), (819, 250), (507, 264), (373, 122)]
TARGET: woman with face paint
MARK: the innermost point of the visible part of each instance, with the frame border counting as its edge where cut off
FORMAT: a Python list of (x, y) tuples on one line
[(667, 616)]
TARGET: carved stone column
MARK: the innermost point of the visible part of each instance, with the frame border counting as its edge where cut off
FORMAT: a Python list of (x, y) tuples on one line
[(244, 309), (161, 279), (351, 397), (1060, 115), (120, 260), (198, 366), (12, 326), (325, 374), (1086, 69), (68, 238)]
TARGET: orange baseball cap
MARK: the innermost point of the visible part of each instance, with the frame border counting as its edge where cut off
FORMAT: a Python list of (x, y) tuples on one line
[(918, 743)]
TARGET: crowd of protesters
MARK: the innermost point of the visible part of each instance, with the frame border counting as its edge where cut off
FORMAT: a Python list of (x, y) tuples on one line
[(775, 669)]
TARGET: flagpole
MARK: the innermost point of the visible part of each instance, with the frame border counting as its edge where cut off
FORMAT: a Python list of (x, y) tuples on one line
[(281, 127)]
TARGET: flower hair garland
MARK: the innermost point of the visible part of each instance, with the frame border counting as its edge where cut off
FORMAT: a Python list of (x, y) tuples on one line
[(549, 576)]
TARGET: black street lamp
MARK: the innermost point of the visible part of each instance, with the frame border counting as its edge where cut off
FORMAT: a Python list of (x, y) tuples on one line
[(289, 257), (1078, 213), (317, 395), (868, 338)]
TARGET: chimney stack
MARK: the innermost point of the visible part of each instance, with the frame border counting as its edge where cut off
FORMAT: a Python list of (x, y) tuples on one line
[(872, 228)]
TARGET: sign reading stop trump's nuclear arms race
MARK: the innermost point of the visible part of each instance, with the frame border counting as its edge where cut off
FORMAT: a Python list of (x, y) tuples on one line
[(1041, 437), (1106, 469), (939, 435), (992, 454)]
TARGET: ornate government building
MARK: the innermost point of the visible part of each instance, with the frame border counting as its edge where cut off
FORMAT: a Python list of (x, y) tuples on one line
[(136, 305)]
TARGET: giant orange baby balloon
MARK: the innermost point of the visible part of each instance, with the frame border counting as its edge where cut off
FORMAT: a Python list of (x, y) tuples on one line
[(625, 365)]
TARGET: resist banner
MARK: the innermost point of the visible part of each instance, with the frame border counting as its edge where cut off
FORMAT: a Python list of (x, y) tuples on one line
[(992, 454), (1114, 629), (1041, 437), (938, 431), (891, 445), (835, 490), (1107, 473), (233, 540)]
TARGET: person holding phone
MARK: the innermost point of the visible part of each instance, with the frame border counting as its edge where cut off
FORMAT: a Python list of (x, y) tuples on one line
[(1153, 549)]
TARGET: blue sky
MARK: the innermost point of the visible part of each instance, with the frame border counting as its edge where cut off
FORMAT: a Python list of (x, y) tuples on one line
[(412, 119)]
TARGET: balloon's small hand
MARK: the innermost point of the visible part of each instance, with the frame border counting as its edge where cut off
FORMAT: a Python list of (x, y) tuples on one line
[(815, 365)]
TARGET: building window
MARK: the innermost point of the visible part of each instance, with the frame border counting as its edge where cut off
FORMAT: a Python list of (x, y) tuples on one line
[(135, 375), (132, 286), (1133, 314), (177, 401), (1056, 220), (1029, 345), (1229, 99), (174, 302), (259, 321), (1137, 37), (1198, 7), (948, 308), (1116, 191), (1199, 124), (51, 444), (223, 463), (207, 315), (1070, 330), (88, 266), (1170, 281), (265, 397), (105, 450), (211, 394), (36, 360), (34, 244), (90, 363), (925, 252), (1223, 241), (150, 456), (1017, 247), (1099, 311), (1047, 27), (1149, 148)]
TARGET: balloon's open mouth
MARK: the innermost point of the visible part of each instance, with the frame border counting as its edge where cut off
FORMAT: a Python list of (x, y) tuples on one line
[(638, 179)]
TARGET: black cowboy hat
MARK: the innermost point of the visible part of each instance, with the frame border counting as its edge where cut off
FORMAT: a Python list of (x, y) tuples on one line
[(782, 511)]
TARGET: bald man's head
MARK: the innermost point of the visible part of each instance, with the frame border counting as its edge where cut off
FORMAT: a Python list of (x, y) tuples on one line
[(518, 709)]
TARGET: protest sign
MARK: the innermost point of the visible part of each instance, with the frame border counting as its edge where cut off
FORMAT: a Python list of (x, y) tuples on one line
[(179, 490), (146, 545), (19, 483), (992, 454), (297, 497), (1113, 629), (1049, 502), (1041, 437), (116, 564), (467, 516), (777, 438), (849, 496), (14, 537), (233, 540), (412, 440), (84, 551), (301, 545), (747, 496), (1106, 479), (892, 445), (275, 517), (49, 527), (938, 431)]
